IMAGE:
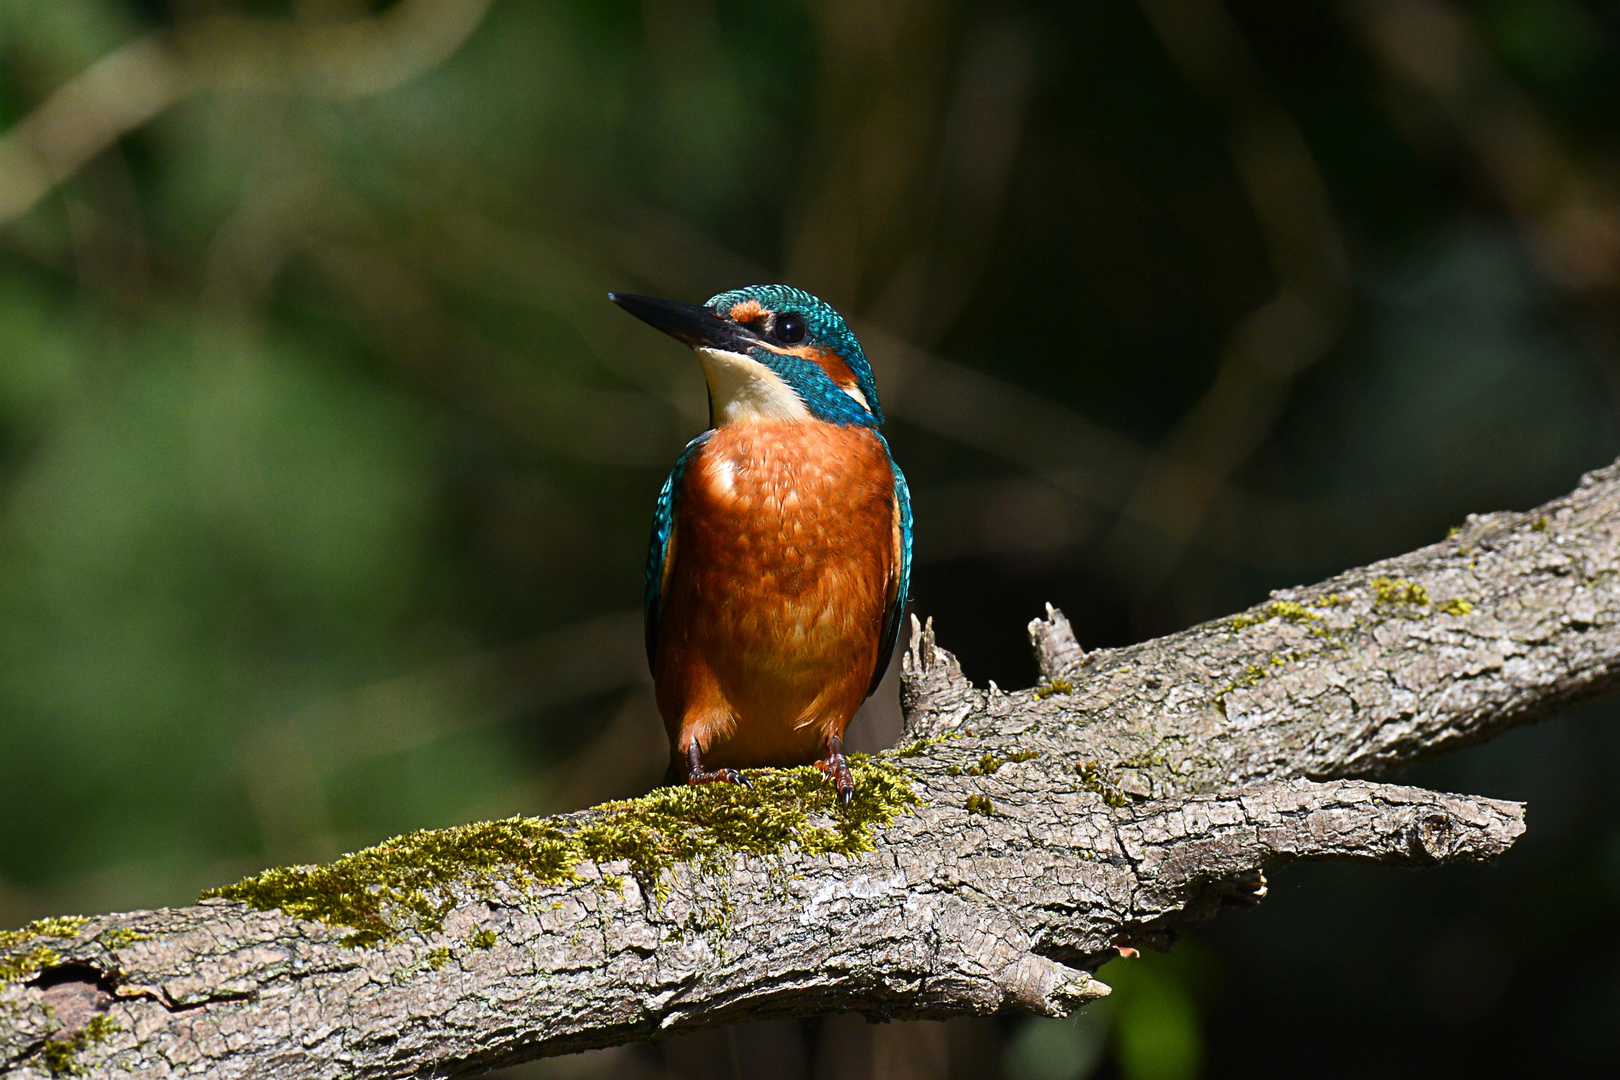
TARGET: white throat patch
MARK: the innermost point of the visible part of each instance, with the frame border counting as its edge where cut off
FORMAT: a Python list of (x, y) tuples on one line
[(742, 390)]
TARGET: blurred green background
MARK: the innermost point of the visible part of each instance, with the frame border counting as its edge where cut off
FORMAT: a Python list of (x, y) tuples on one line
[(326, 468)]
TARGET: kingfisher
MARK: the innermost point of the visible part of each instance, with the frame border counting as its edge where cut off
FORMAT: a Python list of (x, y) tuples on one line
[(781, 543)]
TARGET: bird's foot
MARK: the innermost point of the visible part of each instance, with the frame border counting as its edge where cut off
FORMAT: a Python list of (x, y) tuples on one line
[(697, 774), (719, 776), (836, 766)]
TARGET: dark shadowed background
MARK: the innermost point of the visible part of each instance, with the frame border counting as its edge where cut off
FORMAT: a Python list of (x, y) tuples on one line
[(326, 468)]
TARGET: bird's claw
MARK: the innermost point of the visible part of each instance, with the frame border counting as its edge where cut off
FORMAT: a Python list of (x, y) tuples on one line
[(697, 774), (719, 776), (836, 766)]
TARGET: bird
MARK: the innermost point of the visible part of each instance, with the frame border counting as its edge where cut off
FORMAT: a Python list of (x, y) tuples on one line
[(780, 559)]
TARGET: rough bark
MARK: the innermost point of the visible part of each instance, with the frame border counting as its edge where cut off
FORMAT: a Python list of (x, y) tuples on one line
[(1134, 792)]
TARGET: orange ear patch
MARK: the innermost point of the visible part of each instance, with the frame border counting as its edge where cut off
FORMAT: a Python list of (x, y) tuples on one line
[(834, 365), (835, 368), (748, 311)]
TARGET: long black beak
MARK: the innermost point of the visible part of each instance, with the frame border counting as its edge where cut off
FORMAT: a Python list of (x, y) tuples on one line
[(698, 326)]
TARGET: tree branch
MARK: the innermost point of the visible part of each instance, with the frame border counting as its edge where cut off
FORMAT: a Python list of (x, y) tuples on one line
[(1014, 844)]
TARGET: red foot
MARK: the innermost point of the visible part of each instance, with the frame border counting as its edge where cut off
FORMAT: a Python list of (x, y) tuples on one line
[(697, 774), (837, 766)]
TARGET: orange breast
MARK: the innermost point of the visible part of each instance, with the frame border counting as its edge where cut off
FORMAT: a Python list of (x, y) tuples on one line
[(782, 568)]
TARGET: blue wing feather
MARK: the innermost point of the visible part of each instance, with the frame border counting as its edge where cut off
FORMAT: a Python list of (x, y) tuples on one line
[(658, 548), (897, 609)]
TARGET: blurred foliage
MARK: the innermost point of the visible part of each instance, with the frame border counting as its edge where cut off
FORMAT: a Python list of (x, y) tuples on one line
[(1152, 1021), (325, 467), (1157, 1032), (1068, 1049)]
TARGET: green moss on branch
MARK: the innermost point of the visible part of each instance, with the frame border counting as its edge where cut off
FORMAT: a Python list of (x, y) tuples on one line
[(23, 963), (61, 1056), (22, 966), (67, 926), (1054, 686), (406, 884), (1399, 591), (1094, 779), (1296, 613)]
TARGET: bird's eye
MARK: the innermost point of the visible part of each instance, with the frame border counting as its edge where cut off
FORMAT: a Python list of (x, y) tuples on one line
[(790, 328)]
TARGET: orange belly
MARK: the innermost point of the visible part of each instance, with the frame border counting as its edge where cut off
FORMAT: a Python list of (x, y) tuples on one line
[(782, 567)]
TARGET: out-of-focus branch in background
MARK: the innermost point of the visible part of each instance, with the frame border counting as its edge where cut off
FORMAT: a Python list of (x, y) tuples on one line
[(1274, 343), (1569, 216), (872, 141), (136, 82), (82, 119)]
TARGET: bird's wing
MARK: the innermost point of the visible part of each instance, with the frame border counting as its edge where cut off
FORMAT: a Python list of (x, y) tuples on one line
[(661, 547), (899, 575)]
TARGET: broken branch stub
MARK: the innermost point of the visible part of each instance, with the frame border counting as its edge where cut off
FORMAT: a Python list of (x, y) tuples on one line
[(1057, 653)]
